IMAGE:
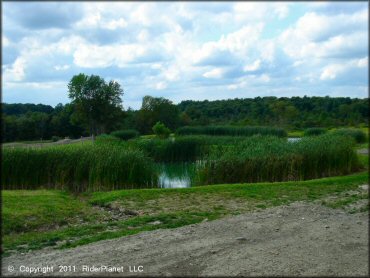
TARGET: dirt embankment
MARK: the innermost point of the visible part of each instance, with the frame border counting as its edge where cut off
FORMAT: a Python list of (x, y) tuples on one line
[(296, 240)]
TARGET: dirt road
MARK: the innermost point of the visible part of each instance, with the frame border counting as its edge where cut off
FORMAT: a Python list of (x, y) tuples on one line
[(296, 240)]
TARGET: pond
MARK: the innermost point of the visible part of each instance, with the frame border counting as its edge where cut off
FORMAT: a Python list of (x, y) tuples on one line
[(176, 175), (294, 139), (183, 174)]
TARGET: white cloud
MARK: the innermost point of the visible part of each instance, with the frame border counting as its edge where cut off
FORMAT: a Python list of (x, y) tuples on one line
[(362, 63), (160, 85), (244, 47), (63, 67), (16, 72), (281, 9), (215, 73), (332, 71), (326, 35), (91, 56), (115, 24), (254, 66), (5, 41)]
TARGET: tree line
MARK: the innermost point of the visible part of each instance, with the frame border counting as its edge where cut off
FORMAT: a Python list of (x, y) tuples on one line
[(96, 108)]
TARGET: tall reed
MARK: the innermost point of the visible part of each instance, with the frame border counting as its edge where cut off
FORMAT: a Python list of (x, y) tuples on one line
[(78, 168), (231, 130), (259, 159), (356, 134)]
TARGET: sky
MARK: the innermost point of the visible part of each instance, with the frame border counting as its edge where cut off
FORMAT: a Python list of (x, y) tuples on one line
[(185, 50)]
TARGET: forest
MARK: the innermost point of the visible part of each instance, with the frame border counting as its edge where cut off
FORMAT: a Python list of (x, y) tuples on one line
[(21, 122)]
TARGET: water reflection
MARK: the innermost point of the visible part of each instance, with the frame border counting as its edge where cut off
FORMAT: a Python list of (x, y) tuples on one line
[(293, 139), (176, 175)]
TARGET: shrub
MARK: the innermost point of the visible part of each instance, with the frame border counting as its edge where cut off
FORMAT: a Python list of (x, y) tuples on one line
[(357, 134), (125, 134), (314, 131), (161, 130)]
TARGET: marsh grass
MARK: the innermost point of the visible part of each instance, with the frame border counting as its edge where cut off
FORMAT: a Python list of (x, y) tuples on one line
[(357, 134), (77, 168), (231, 131), (260, 159), (110, 163)]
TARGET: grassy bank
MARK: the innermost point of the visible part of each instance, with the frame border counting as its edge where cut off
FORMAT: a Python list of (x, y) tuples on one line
[(38, 218)]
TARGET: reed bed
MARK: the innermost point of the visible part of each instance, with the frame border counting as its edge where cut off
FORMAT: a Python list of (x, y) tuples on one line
[(77, 168), (231, 131), (182, 148), (356, 134), (262, 159)]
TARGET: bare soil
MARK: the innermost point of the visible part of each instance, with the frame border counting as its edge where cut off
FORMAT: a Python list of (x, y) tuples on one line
[(301, 239)]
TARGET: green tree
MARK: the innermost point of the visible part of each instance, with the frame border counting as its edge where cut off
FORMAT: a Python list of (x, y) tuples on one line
[(157, 110), (161, 130), (98, 103)]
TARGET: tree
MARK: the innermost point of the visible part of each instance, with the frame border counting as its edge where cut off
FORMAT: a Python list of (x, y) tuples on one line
[(98, 103), (161, 130), (154, 110)]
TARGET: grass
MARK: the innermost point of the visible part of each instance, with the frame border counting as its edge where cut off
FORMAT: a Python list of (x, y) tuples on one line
[(31, 142), (171, 208), (30, 210), (295, 133)]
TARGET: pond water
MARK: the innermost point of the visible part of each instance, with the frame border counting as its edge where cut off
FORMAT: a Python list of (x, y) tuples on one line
[(294, 139), (176, 175)]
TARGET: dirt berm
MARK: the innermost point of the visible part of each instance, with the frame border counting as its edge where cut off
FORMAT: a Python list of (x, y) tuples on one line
[(296, 240)]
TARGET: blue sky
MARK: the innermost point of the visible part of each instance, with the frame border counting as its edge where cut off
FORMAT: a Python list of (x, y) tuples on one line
[(186, 50)]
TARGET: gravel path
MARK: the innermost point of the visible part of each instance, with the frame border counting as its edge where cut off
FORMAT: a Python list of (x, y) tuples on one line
[(297, 240)]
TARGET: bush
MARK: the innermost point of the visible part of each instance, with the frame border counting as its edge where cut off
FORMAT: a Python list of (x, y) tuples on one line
[(358, 135), (125, 134), (161, 130), (314, 131), (55, 138)]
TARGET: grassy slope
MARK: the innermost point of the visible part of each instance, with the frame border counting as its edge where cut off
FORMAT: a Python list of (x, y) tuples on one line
[(36, 213)]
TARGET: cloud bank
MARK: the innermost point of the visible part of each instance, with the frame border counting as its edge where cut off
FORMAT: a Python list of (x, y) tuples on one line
[(186, 50)]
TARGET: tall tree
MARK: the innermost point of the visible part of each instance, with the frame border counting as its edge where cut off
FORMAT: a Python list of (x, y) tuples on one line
[(97, 103)]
